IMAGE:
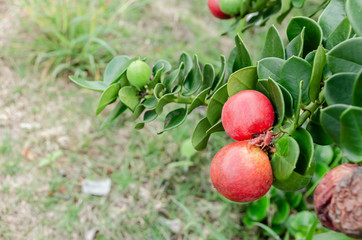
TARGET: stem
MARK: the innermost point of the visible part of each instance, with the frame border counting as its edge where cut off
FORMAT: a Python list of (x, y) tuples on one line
[(183, 100)]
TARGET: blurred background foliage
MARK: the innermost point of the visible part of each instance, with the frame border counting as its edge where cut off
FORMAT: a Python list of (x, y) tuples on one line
[(160, 187)]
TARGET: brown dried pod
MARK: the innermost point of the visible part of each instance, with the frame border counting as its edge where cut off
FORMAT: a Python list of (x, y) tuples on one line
[(338, 200)]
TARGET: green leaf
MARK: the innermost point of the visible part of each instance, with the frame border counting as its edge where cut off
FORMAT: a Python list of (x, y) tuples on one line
[(323, 154), (331, 235), (128, 95), (273, 44), (293, 199), (357, 92), (340, 34), (199, 136), (316, 130), (185, 61), (217, 127), (332, 16), (313, 32), (243, 79), (92, 85), (193, 80), (161, 64), (273, 92), (243, 58), (257, 210), (346, 56), (116, 68), (268, 229), (298, 224), (270, 68), (159, 89), (354, 13), (149, 103), (173, 78), (330, 121), (293, 71), (149, 116), (298, 3), (288, 101), (164, 100), (351, 133), (306, 146), (296, 181), (285, 9), (156, 78), (199, 100), (219, 80), (208, 76), (317, 73), (339, 88), (285, 158), (295, 47), (174, 119), (282, 212), (108, 97), (116, 112), (213, 111)]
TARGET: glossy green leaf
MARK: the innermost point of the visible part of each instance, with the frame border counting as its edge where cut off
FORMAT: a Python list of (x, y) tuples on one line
[(317, 73), (257, 210), (128, 95), (298, 3), (243, 58), (313, 33), (310, 57), (354, 13), (299, 224), (199, 136), (159, 89), (217, 127), (293, 198), (288, 101), (270, 68), (116, 112), (116, 68), (174, 119), (208, 76), (285, 158), (173, 78), (193, 80), (243, 79), (219, 80), (332, 16), (156, 78), (323, 154), (213, 111), (357, 90), (185, 61), (199, 100), (149, 103), (282, 212), (149, 116), (266, 228), (285, 9), (340, 34), (295, 47), (330, 121), (164, 100), (161, 64), (92, 85), (351, 133), (293, 71), (316, 130), (306, 147), (331, 235), (339, 88), (108, 97), (346, 56), (273, 46)]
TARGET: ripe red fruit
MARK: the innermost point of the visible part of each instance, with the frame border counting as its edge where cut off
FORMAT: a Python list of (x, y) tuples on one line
[(246, 114), (214, 7), (240, 173)]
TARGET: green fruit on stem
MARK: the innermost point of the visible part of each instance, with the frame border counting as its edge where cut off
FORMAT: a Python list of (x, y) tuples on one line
[(138, 73), (230, 7)]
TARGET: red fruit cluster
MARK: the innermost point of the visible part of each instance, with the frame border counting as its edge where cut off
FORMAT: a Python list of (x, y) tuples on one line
[(240, 172)]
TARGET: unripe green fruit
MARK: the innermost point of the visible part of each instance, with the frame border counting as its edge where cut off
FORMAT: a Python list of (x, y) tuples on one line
[(138, 73), (230, 7)]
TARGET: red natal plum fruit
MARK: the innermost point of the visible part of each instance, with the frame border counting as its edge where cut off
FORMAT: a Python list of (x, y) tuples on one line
[(247, 113), (338, 200), (214, 7), (240, 173)]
